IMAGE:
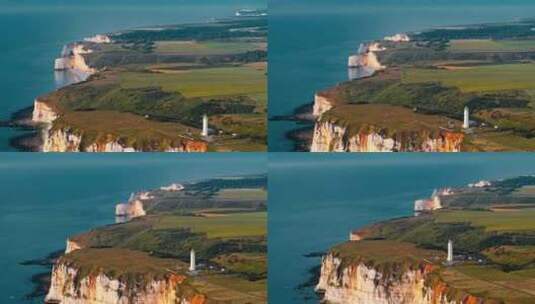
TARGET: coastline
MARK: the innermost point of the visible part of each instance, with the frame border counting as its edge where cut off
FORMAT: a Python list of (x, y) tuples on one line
[(307, 114), (38, 121), (96, 265), (391, 261)]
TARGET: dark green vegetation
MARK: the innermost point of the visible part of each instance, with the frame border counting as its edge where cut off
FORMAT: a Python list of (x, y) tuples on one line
[(170, 77), (226, 229), (493, 233), (486, 67)]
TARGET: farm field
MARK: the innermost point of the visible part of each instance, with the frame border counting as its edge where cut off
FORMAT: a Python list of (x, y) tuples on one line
[(488, 45), (222, 226), (478, 78), (205, 48), (506, 221), (224, 81)]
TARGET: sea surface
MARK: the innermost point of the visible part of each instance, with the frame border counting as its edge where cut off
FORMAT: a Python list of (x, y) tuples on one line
[(34, 31), (315, 200), (310, 40), (47, 197)]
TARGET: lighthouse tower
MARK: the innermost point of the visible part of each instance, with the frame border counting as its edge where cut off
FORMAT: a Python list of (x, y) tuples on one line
[(466, 121), (204, 125), (192, 260), (450, 252)]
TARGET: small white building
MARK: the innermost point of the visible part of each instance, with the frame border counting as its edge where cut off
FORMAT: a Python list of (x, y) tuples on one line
[(192, 264), (204, 125), (450, 252), (466, 121)]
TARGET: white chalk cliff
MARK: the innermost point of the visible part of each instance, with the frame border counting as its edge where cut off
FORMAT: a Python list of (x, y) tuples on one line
[(367, 57), (67, 287), (67, 140), (42, 112), (360, 284), (73, 59), (131, 209), (330, 137)]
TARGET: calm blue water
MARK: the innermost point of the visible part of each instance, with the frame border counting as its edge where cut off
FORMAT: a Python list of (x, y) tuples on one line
[(315, 200), (310, 40), (34, 31), (47, 197)]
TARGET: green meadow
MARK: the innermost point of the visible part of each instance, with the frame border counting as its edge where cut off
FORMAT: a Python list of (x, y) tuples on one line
[(219, 226), (479, 78), (488, 45), (203, 82)]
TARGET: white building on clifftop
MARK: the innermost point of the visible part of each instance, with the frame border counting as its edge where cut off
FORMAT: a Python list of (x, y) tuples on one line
[(466, 121), (192, 263), (204, 125), (450, 252)]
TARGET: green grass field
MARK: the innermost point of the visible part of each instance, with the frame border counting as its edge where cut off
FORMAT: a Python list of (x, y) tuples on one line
[(507, 221), (205, 47), (242, 194), (224, 226), (232, 289), (492, 283), (381, 252), (488, 45), (209, 82), (118, 262), (477, 79)]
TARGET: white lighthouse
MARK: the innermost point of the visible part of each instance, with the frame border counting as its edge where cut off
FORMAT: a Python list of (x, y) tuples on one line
[(466, 121), (450, 252), (204, 125), (192, 261)]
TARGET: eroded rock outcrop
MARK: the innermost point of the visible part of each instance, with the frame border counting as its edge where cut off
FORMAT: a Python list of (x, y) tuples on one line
[(330, 137), (72, 246), (70, 286), (321, 105), (367, 57), (73, 59), (68, 140), (357, 283), (131, 209), (42, 112)]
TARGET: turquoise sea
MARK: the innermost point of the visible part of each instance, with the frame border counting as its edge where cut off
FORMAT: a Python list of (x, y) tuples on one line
[(310, 40), (47, 197), (317, 199), (34, 31)]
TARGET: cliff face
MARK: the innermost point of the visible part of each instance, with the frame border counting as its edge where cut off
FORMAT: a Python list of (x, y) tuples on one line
[(72, 246), (73, 59), (321, 105), (42, 113), (60, 141), (367, 57), (360, 284), (67, 288), (131, 209), (65, 140), (329, 137)]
